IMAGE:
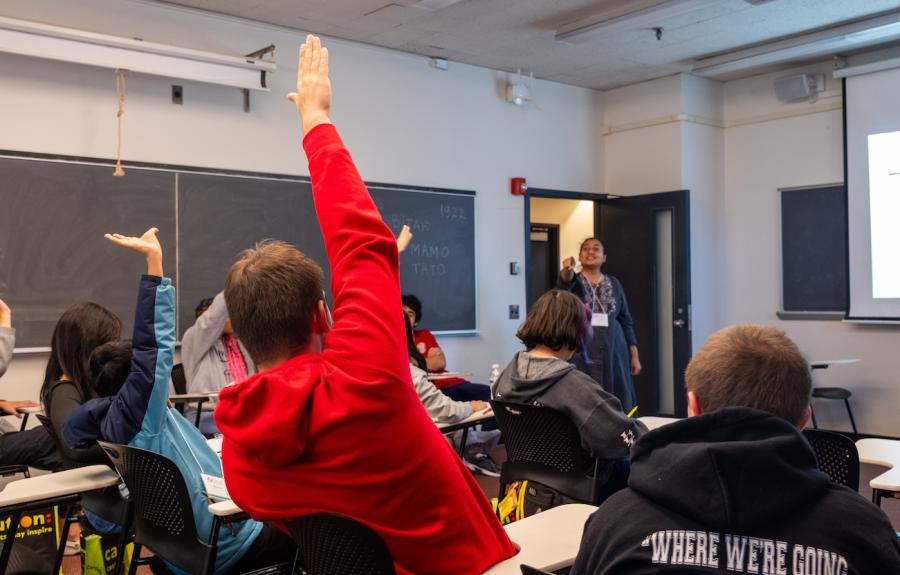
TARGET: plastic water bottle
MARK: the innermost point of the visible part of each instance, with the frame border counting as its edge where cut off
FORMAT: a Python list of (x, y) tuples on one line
[(495, 373)]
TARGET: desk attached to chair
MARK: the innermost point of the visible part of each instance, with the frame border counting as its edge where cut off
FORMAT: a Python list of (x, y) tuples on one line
[(886, 453)]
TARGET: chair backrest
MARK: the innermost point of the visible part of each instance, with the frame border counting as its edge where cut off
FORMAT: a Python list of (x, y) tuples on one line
[(836, 455), (337, 545), (163, 517), (529, 570), (179, 382), (543, 445)]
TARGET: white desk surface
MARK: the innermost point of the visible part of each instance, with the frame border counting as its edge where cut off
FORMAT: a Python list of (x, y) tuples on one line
[(548, 540), (447, 375), (193, 396), (824, 363), (478, 417), (37, 409), (80, 480), (652, 421), (224, 508), (884, 452), (216, 444)]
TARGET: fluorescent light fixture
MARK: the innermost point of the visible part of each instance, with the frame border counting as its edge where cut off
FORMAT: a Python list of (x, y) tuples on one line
[(823, 43), (80, 47), (649, 16)]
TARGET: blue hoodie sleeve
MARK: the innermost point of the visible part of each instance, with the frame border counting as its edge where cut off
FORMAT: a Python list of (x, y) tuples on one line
[(140, 404)]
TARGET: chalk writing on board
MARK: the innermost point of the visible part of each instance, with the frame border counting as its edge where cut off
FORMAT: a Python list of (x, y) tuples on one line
[(426, 250), (429, 270), (396, 221), (452, 212)]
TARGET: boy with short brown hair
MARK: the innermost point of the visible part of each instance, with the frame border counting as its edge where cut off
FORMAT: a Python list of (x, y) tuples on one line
[(338, 428), (734, 488)]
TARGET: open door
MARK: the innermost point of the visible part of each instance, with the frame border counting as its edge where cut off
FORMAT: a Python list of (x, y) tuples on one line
[(647, 241)]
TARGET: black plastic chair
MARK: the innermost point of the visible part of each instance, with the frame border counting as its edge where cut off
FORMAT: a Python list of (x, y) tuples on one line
[(529, 570), (836, 456), (163, 516), (72, 458), (544, 446), (834, 393), (337, 545), (179, 383)]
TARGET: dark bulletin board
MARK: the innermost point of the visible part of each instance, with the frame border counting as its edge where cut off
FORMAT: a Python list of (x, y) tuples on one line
[(54, 212), (814, 251)]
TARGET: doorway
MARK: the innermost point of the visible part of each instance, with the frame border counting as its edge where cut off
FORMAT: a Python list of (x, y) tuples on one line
[(544, 260), (648, 250)]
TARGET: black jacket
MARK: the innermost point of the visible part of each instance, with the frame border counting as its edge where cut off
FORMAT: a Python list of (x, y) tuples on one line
[(734, 491)]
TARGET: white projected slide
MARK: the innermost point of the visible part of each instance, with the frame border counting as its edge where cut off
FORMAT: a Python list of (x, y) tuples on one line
[(884, 207)]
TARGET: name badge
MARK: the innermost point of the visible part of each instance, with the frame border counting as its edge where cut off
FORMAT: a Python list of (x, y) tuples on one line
[(600, 320), (215, 486)]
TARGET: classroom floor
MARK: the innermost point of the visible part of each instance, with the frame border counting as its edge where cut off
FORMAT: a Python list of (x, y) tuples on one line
[(491, 485)]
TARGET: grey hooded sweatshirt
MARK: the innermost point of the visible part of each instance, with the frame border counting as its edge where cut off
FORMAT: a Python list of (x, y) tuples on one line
[(606, 432), (7, 343)]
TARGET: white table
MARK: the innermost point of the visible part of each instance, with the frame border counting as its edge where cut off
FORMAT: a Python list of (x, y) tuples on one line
[(51, 489), (652, 422), (884, 452), (548, 540), (826, 363)]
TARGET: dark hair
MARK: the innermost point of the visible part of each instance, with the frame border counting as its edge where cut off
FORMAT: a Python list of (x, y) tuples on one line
[(751, 366), (272, 292), (558, 319), (413, 303), (82, 327), (414, 354), (202, 306), (110, 365)]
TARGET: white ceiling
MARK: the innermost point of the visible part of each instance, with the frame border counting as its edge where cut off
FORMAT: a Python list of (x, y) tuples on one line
[(519, 34)]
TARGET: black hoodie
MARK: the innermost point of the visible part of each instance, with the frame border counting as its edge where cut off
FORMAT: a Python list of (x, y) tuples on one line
[(734, 491)]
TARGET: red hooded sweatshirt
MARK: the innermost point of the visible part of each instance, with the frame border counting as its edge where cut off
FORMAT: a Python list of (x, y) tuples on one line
[(344, 431)]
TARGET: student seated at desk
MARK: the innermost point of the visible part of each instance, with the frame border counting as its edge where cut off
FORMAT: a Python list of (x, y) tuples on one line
[(442, 409), (735, 487), (132, 382), (331, 422), (33, 447), (455, 388), (213, 357), (556, 327)]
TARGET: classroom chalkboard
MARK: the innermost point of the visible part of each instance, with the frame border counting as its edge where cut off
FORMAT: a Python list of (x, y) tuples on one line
[(814, 249), (55, 210)]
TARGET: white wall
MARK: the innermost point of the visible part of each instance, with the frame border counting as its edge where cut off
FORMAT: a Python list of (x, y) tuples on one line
[(664, 135), (574, 217), (403, 121), (769, 145)]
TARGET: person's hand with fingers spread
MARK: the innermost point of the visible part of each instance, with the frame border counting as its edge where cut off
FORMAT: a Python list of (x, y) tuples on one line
[(5, 315), (147, 244), (313, 95)]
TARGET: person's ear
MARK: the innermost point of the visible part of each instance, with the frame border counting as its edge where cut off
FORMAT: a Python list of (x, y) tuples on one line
[(694, 407), (805, 418), (322, 319)]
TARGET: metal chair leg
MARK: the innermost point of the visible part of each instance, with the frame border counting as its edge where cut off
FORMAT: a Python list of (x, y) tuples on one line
[(852, 421), (10, 539), (63, 539), (813, 412)]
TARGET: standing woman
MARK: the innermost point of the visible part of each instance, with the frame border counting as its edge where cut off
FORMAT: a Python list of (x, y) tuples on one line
[(612, 354)]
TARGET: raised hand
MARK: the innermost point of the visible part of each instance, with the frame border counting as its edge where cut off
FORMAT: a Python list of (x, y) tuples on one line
[(313, 95), (5, 315), (147, 244), (568, 269), (403, 239)]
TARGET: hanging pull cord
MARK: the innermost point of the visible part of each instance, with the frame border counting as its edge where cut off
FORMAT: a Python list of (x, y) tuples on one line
[(120, 93)]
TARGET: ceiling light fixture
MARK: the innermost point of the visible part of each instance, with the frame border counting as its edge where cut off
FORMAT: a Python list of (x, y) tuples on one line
[(70, 45), (812, 45), (649, 16)]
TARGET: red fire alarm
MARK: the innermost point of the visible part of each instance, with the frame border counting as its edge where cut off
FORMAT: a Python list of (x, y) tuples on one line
[(517, 186)]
